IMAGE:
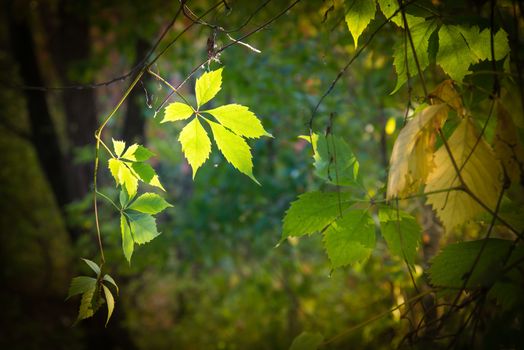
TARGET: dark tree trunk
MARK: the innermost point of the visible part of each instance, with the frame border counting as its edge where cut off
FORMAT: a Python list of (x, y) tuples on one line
[(70, 45), (43, 133), (134, 122)]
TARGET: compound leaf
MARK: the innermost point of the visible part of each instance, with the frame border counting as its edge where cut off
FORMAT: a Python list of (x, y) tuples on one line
[(143, 227), (196, 145), (239, 119), (177, 111), (207, 86), (149, 203)]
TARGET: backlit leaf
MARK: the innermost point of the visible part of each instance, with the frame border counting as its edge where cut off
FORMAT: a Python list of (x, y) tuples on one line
[(412, 155), (142, 154), (127, 238), (118, 146), (196, 145), (481, 173), (127, 179), (149, 203), (143, 227), (313, 211), (110, 279), (177, 111), (334, 161), (421, 31), (454, 54), (402, 234), (129, 154), (234, 148), (114, 167), (358, 15), (480, 42), (207, 86), (239, 119), (350, 239), (110, 303), (86, 304)]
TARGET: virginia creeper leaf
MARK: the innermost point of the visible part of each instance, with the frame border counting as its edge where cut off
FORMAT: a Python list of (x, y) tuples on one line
[(412, 156), (129, 154), (239, 119), (177, 111), (149, 203), (207, 86), (114, 167), (127, 238), (110, 302), (446, 93), (118, 146), (110, 279), (350, 239), (480, 42), (313, 212), (481, 173), (142, 154), (234, 148), (335, 162), (402, 234), (358, 15), (195, 144), (127, 179), (92, 265), (143, 227), (80, 285), (87, 308)]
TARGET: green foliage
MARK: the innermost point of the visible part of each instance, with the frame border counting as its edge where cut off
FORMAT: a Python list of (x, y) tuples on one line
[(401, 232), (91, 290)]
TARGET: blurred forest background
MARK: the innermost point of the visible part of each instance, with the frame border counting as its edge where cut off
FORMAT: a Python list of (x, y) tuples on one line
[(214, 279)]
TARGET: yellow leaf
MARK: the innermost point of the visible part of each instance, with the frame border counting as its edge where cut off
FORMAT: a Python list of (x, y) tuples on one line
[(412, 156), (196, 145), (480, 170), (507, 146), (446, 93)]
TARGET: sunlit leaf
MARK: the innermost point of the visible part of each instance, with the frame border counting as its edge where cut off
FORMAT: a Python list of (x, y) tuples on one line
[(239, 119), (114, 167), (143, 227), (358, 15), (127, 238), (313, 212), (234, 148), (207, 86), (454, 54), (127, 179), (412, 156), (129, 154), (118, 146), (350, 239), (196, 145), (177, 111), (480, 170), (149, 203), (480, 42), (110, 279)]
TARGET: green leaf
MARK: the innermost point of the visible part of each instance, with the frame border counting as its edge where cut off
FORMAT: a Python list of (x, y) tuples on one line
[(110, 279), (402, 234), (450, 268), (87, 308), (196, 145), (118, 146), (143, 227), (313, 212), (177, 111), (350, 239), (358, 15), (480, 42), (147, 174), (239, 119), (123, 198), (127, 239), (421, 31), (149, 203), (80, 285), (234, 148), (307, 341), (110, 303), (454, 54), (207, 86), (142, 154), (335, 162), (92, 265)]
